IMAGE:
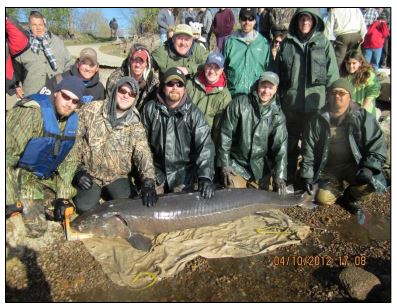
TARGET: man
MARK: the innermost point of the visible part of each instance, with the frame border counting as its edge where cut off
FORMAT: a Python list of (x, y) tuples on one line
[(247, 55), (343, 142), (306, 65), (208, 90), (370, 15), (113, 25), (137, 65), (113, 148), (179, 137), (165, 21), (40, 156), (253, 139), (222, 26), (86, 68), (205, 18), (180, 51), (46, 57), (346, 27), (188, 16)]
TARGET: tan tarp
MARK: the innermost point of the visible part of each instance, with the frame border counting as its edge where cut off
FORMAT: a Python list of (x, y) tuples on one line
[(171, 251)]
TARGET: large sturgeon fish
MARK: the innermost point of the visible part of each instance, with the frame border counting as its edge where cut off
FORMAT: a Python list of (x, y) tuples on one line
[(127, 217)]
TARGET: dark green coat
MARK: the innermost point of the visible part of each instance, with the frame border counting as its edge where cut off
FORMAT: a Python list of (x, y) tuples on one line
[(253, 138), (180, 141), (305, 69), (366, 143)]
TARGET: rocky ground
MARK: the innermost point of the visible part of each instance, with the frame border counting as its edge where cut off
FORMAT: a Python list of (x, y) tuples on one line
[(65, 271)]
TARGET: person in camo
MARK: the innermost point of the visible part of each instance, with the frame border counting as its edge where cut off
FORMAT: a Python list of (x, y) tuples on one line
[(114, 154)]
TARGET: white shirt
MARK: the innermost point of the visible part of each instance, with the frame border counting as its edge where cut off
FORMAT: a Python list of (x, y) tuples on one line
[(343, 21)]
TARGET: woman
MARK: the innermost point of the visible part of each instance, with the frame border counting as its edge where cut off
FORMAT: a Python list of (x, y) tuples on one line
[(361, 74)]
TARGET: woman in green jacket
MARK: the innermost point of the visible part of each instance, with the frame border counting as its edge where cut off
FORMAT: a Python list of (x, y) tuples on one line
[(361, 74)]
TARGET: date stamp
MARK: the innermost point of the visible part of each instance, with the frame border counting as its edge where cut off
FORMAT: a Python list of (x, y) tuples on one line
[(317, 260)]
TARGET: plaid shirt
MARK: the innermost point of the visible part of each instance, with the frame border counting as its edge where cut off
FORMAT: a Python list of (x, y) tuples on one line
[(370, 16)]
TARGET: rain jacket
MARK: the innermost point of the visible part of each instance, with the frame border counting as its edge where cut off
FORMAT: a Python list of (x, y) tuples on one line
[(244, 63), (94, 89), (148, 85), (180, 140), (307, 68), (253, 138), (166, 57), (110, 152), (366, 143), (37, 68)]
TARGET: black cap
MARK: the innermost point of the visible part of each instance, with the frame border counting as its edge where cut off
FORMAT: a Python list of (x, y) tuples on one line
[(174, 73), (247, 11)]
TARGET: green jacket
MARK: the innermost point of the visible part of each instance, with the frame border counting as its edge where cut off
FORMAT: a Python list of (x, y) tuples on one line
[(366, 143), (244, 63), (211, 104), (370, 89), (180, 140), (253, 138), (23, 123), (37, 68), (305, 69), (165, 57)]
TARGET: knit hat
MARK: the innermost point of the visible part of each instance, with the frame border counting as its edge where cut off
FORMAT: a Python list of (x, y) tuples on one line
[(183, 29), (270, 77), (247, 12), (72, 84), (343, 83), (216, 58), (90, 54), (174, 73)]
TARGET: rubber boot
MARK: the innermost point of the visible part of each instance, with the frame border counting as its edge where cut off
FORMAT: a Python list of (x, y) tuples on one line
[(34, 218)]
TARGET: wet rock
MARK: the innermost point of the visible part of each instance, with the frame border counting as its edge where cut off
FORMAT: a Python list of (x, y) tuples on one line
[(358, 282)]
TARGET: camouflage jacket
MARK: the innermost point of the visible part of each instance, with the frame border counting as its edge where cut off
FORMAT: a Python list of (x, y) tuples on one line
[(23, 123), (109, 153)]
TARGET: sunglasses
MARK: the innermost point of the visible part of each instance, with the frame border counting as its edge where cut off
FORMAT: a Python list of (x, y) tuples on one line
[(68, 98), (339, 93), (250, 18), (124, 91), (171, 84)]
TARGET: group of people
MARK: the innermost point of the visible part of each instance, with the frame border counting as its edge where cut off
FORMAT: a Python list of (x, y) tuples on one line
[(182, 118)]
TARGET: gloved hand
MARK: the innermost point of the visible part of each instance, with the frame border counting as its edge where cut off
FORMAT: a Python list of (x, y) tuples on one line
[(207, 188), (60, 206), (82, 180), (227, 174), (308, 185), (280, 186), (364, 175), (148, 192)]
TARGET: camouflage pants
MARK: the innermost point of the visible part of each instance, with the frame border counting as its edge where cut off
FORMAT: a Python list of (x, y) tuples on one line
[(333, 185)]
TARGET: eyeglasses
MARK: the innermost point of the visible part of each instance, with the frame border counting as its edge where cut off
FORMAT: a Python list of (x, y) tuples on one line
[(68, 98), (124, 91), (171, 84), (249, 18), (339, 93)]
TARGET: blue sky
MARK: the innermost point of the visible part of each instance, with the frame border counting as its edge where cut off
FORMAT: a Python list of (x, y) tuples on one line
[(109, 13)]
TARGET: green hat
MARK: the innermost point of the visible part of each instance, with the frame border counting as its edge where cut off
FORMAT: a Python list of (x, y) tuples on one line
[(343, 83)]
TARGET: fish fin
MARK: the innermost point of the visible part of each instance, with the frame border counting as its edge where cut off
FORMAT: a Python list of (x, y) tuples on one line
[(140, 242)]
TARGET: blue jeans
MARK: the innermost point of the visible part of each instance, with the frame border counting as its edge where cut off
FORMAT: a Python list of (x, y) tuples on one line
[(373, 55), (163, 38)]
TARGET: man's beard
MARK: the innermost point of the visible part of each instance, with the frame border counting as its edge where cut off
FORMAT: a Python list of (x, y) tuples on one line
[(174, 97)]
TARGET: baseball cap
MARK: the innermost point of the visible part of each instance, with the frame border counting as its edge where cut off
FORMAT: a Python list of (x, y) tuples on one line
[(73, 84), (183, 29), (270, 77), (90, 54), (247, 11), (141, 53), (216, 58), (174, 73)]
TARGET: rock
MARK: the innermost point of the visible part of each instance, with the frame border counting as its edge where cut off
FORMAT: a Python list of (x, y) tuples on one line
[(358, 282)]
